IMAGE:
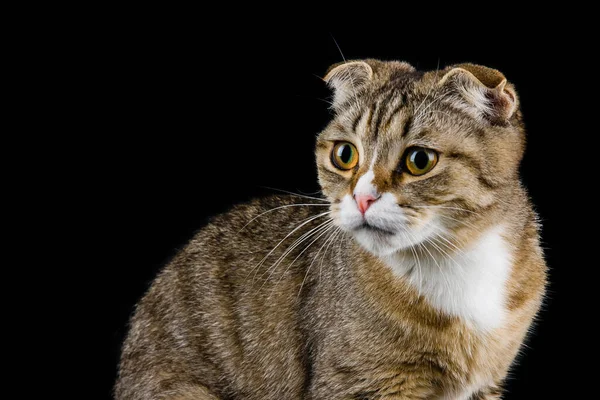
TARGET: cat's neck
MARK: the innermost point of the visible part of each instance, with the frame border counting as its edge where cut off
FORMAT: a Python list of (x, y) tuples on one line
[(469, 282)]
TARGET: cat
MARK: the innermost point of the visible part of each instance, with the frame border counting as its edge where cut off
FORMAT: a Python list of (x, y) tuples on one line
[(417, 275)]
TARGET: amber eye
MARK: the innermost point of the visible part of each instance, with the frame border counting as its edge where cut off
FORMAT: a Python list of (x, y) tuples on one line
[(420, 161), (344, 155)]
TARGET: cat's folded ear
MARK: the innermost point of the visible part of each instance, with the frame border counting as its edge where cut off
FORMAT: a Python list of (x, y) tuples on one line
[(483, 92), (347, 79)]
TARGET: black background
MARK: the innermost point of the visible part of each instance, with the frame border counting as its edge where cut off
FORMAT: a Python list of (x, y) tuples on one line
[(185, 121)]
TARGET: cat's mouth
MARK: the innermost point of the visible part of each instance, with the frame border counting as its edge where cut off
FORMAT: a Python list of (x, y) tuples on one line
[(375, 229)]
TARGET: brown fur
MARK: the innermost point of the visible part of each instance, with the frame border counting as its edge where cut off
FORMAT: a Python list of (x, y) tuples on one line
[(337, 323)]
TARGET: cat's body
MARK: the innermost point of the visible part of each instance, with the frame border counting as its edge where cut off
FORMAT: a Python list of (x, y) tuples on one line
[(356, 309)]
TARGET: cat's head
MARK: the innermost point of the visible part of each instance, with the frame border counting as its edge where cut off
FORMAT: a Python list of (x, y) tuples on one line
[(413, 157)]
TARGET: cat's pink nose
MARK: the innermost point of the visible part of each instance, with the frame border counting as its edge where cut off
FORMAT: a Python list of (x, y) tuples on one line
[(364, 201)]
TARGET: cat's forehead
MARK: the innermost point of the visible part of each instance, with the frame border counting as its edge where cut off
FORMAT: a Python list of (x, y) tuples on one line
[(403, 107)]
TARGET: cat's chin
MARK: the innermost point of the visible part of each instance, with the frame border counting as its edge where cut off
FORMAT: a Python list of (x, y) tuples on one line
[(380, 243)]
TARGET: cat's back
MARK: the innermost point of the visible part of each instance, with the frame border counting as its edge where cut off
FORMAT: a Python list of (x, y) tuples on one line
[(209, 311)]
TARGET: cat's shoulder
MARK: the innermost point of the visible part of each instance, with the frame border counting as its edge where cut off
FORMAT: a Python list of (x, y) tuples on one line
[(251, 228)]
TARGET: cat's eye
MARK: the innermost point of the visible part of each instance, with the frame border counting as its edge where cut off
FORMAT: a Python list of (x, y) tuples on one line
[(344, 156), (419, 161)]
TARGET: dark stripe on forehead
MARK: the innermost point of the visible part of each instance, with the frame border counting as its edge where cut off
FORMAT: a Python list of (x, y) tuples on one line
[(396, 100), (371, 112), (380, 111), (401, 104), (385, 107), (381, 106), (356, 121), (407, 125)]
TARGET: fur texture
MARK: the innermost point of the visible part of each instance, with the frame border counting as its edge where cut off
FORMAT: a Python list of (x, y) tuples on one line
[(427, 293)]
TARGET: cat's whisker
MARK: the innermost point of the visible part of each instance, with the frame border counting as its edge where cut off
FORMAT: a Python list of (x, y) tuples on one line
[(312, 262), (296, 194), (297, 243), (417, 260), (308, 220), (331, 234), (303, 222), (435, 261), (344, 240), (322, 232), (431, 241), (315, 98), (336, 234), (450, 247), (309, 193), (440, 234), (435, 246), (280, 207), (410, 238)]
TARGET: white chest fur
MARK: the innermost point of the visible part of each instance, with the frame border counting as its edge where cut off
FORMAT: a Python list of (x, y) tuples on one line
[(470, 285)]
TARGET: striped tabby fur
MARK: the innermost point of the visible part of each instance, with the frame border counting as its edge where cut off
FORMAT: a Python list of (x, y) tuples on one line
[(283, 298)]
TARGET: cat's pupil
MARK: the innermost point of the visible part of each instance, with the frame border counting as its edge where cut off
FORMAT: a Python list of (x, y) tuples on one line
[(345, 154), (421, 159)]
